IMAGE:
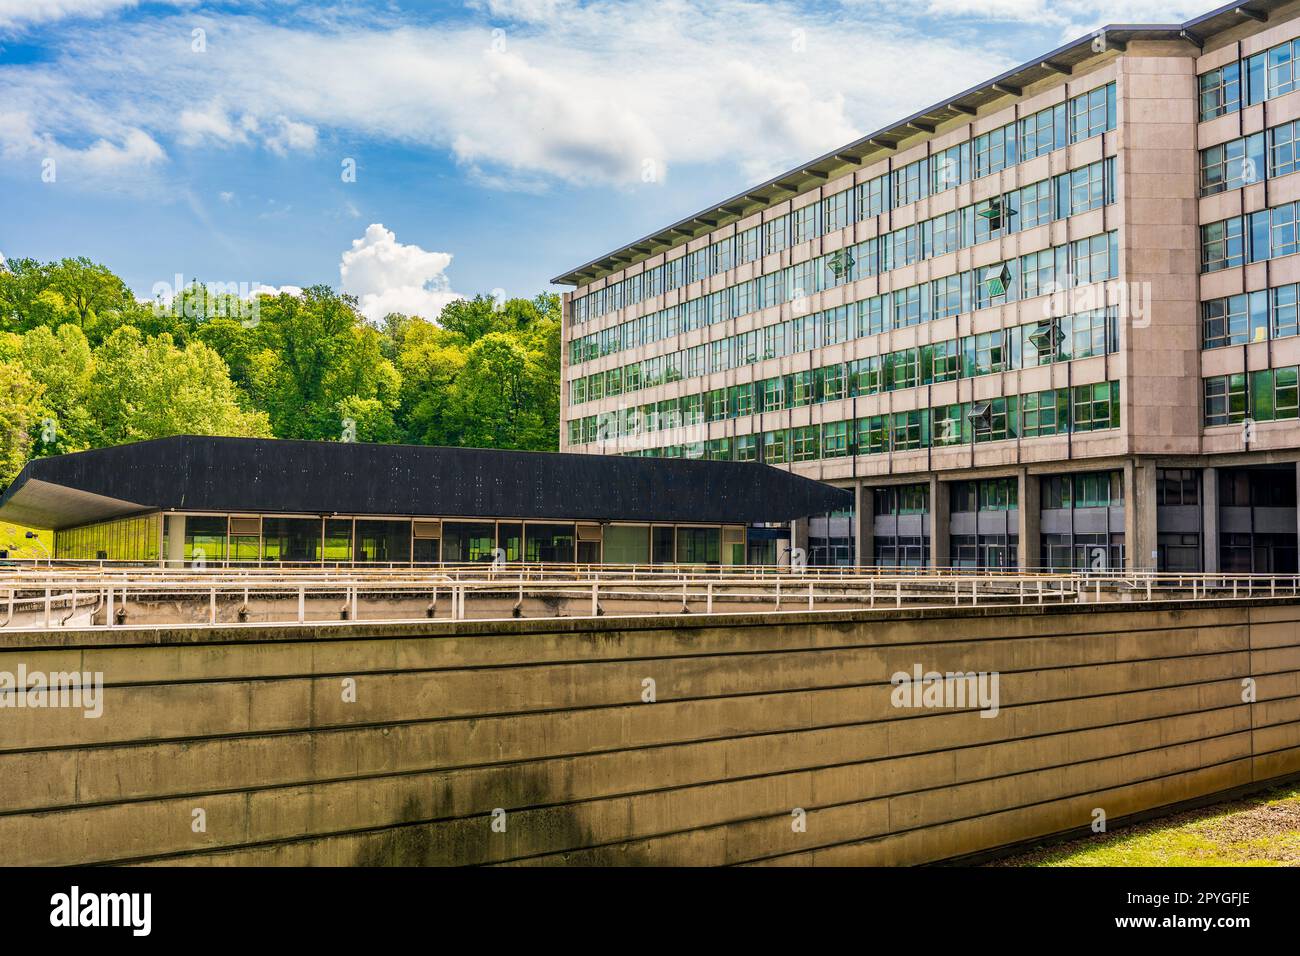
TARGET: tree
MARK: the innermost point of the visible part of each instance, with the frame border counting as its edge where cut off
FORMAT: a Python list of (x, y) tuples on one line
[(148, 388), (317, 351), (20, 410), (88, 288), (61, 362)]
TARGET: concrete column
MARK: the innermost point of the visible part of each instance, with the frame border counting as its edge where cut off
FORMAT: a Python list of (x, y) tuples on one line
[(1210, 520), (864, 526), (799, 536), (940, 513), (1140, 514), (175, 541), (1029, 554)]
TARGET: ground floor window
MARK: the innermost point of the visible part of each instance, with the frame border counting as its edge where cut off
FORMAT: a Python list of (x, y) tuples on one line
[(1083, 552), (904, 551), (1179, 552), (988, 551)]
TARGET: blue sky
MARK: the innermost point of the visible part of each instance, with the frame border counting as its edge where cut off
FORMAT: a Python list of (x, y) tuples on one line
[(496, 143)]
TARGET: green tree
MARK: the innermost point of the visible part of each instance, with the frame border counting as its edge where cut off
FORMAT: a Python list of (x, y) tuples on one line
[(148, 388), (88, 287), (20, 410), (61, 362)]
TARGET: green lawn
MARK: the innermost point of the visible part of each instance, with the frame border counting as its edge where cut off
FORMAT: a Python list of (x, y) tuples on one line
[(13, 538), (1260, 831)]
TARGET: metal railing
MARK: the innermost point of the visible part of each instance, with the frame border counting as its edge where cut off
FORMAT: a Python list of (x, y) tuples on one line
[(51, 597)]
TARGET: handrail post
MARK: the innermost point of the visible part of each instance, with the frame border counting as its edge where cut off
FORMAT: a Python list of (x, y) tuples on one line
[(109, 607), (708, 598), (302, 604)]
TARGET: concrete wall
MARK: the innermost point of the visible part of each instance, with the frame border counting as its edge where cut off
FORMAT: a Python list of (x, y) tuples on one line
[(755, 716)]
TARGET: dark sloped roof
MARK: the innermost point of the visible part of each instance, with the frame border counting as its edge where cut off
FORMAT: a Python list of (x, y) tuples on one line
[(298, 477)]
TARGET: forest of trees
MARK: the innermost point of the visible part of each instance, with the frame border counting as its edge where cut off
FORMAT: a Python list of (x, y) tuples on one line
[(84, 364)]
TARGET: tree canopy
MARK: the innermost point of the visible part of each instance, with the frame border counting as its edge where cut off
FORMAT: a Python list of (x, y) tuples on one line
[(84, 364)]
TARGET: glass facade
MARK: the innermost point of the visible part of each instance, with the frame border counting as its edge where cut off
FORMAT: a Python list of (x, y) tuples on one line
[(212, 540), (126, 539)]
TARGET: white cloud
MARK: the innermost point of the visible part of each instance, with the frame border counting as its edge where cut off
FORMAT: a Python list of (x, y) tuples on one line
[(115, 159), (524, 93), (565, 91), (291, 136), (292, 290), (14, 13), (388, 276)]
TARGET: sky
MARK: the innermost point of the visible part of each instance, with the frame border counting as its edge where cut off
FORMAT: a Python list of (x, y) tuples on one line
[(410, 152)]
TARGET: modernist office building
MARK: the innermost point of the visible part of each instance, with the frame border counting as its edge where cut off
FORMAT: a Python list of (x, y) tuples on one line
[(219, 500), (1050, 321)]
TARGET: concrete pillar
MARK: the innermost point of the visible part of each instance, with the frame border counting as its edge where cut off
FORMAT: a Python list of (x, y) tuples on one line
[(1140, 515), (1210, 520), (799, 536), (175, 541), (864, 526), (1029, 554), (940, 513)]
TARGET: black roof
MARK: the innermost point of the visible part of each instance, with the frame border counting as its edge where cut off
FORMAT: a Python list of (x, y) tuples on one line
[(190, 473)]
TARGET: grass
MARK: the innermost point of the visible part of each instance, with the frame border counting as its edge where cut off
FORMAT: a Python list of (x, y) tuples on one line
[(1263, 830), (13, 538)]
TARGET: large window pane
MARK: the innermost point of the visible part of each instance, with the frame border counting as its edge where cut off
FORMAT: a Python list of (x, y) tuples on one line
[(549, 543), (384, 541)]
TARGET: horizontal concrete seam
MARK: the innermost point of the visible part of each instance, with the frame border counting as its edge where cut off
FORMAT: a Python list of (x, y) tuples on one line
[(581, 662), (504, 715), (713, 781), (209, 851)]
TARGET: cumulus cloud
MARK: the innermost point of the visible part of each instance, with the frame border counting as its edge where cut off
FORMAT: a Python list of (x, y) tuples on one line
[(389, 276)]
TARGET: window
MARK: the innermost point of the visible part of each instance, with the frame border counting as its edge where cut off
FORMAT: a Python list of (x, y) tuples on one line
[(950, 168), (872, 435), (1044, 413), (910, 430), (1235, 320), (910, 182), (1086, 188), (1282, 158), (805, 443), (1284, 311), (1092, 113), (837, 211), (774, 447), (835, 439), (872, 197), (1223, 245), (995, 151), (1036, 204), (1178, 486), (1095, 407), (1042, 132), (1225, 399), (1220, 91), (1281, 69)]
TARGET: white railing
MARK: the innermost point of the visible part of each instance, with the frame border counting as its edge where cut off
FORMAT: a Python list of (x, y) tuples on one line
[(42, 597)]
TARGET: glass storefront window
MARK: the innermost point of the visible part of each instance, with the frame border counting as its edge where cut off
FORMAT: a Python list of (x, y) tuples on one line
[(510, 539), (549, 543), (464, 542), (627, 544), (383, 541), (699, 545), (338, 540), (205, 538), (291, 539)]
